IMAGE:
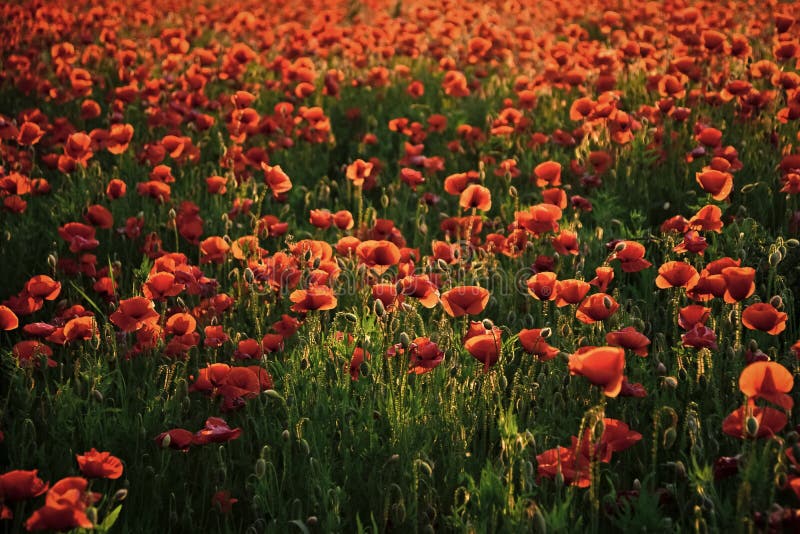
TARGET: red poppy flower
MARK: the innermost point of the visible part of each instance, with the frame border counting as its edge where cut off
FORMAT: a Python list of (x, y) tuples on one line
[(769, 381), (378, 255), (161, 285), (216, 430), (8, 319), (603, 278), (29, 134), (80, 328), (314, 298), (485, 348), (464, 300), (213, 250), (570, 291), (631, 256), (276, 179), (574, 469), (548, 174), (718, 184), (597, 307), (424, 355), (420, 287), (387, 294), (769, 421), (602, 366), (555, 196), (738, 283), (65, 506), (180, 324), (223, 502), (707, 218), (343, 220), (692, 242), (30, 352), (689, 316), (676, 274), (358, 171), (764, 317), (94, 464), (134, 313), (699, 337), (629, 338), (539, 219), (358, 357), (19, 485), (43, 287), (477, 197), (534, 343), (543, 286), (177, 438)]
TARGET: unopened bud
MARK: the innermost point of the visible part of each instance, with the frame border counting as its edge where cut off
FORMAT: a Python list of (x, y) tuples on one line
[(121, 495), (261, 468), (379, 308), (777, 302), (405, 341), (775, 258), (670, 435), (751, 426), (487, 324)]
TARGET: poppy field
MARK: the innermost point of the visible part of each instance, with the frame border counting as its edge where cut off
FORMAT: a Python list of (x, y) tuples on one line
[(399, 266)]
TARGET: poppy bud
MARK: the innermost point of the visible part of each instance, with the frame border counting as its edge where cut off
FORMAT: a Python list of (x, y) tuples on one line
[(781, 480), (751, 426), (661, 369), (637, 485), (91, 513), (364, 369), (487, 324), (682, 374), (120, 495), (792, 243), (304, 364), (670, 382), (775, 258), (52, 260), (285, 435), (350, 317), (165, 441), (607, 302), (559, 479), (248, 275), (271, 393), (670, 435), (512, 192), (546, 332), (599, 430), (405, 341), (502, 381), (423, 229), (172, 214), (312, 521), (379, 308), (777, 302), (97, 396), (306, 448), (398, 513)]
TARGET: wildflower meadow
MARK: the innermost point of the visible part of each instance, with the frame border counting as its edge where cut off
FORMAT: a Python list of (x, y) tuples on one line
[(399, 266)]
